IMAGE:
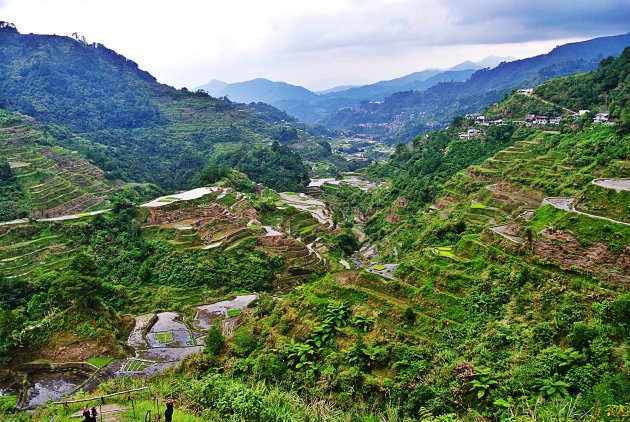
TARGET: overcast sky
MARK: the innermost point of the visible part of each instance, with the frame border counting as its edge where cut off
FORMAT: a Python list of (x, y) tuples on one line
[(316, 43)]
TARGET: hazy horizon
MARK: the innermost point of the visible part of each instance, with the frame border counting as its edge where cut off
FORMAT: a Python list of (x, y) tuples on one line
[(316, 45)]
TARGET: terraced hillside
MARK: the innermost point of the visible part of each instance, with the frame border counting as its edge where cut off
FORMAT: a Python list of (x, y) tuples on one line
[(52, 180), (491, 283), (513, 196), (170, 254), (224, 220), (515, 277)]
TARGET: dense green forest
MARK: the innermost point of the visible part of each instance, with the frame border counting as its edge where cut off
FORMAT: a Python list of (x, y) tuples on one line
[(276, 166), (131, 126)]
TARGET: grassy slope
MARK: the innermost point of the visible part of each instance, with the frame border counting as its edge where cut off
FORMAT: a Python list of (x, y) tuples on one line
[(54, 180), (490, 304)]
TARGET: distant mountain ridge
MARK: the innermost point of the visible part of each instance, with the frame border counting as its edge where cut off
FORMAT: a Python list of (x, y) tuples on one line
[(404, 115), (261, 90), (310, 106), (403, 107)]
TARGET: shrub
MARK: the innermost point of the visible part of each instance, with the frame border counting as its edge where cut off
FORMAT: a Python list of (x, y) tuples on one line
[(244, 343), (581, 335), (214, 341)]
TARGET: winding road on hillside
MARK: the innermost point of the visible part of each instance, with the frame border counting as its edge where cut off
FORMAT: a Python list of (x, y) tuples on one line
[(61, 218), (566, 204), (501, 230)]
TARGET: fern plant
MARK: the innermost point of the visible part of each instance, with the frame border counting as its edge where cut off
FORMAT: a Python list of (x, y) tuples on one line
[(553, 388), (483, 381), (363, 322)]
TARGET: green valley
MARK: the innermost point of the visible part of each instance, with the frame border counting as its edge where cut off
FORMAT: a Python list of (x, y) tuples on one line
[(159, 243)]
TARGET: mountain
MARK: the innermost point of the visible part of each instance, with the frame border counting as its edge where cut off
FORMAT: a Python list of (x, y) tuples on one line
[(414, 81), (335, 89), (309, 106), (214, 87), (490, 61), (129, 125), (405, 114), (263, 90)]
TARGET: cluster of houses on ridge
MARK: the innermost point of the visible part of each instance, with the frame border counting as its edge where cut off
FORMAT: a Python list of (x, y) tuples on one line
[(530, 120)]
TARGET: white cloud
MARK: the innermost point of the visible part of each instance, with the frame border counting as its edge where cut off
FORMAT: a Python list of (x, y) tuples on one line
[(301, 41)]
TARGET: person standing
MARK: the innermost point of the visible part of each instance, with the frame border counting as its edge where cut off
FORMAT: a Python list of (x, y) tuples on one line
[(94, 414), (86, 414), (168, 414)]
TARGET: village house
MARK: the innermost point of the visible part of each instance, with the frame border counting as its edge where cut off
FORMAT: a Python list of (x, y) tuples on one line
[(555, 120), (526, 91), (540, 120), (472, 132), (481, 120), (601, 118), (580, 114), (531, 119)]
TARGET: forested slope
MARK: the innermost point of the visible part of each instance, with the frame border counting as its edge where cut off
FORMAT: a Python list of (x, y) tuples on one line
[(153, 132)]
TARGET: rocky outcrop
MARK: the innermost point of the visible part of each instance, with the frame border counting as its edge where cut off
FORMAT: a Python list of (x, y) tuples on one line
[(393, 218), (597, 259)]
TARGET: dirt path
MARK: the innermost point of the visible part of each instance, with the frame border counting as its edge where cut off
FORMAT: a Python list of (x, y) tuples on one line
[(61, 218), (551, 104), (566, 204), (500, 230), (312, 250), (110, 412)]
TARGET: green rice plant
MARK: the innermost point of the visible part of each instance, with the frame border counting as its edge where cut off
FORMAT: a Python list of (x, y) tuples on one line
[(100, 362), (166, 337), (136, 365), (234, 312)]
